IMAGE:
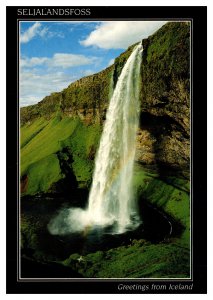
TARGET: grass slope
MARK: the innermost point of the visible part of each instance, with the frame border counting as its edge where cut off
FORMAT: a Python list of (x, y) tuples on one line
[(42, 140)]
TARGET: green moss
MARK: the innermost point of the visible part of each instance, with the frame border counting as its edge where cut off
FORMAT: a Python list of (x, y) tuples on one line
[(165, 68), (120, 62), (168, 47)]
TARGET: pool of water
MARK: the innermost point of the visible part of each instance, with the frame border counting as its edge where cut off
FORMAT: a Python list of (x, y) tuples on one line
[(38, 211)]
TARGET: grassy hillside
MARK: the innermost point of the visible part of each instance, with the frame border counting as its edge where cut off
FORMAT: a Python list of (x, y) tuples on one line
[(46, 145)]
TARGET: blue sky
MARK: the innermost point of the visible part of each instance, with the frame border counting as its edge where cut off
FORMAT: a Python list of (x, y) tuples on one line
[(54, 54)]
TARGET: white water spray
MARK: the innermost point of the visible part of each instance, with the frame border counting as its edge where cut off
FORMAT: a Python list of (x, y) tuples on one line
[(111, 200)]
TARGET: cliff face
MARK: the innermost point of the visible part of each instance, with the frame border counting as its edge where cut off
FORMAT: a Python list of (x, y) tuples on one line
[(87, 98), (165, 97), (163, 138)]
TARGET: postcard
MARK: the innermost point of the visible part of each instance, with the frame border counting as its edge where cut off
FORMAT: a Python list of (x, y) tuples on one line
[(106, 181)]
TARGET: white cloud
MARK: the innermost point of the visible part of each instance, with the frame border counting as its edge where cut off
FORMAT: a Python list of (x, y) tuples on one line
[(68, 60), (32, 62), (29, 100), (34, 86), (87, 72), (111, 62), (30, 33), (37, 29), (44, 31), (120, 34), (40, 76), (59, 60)]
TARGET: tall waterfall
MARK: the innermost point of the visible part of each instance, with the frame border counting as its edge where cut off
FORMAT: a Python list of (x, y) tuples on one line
[(111, 197), (111, 200)]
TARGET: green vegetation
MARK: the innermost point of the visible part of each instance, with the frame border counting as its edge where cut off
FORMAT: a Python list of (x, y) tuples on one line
[(42, 174), (46, 141), (90, 92), (170, 194), (29, 238), (83, 144), (165, 72), (168, 49), (29, 131), (120, 62), (139, 259), (143, 259), (42, 143)]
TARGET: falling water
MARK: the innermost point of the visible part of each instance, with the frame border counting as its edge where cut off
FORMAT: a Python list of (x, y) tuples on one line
[(111, 200), (111, 197)]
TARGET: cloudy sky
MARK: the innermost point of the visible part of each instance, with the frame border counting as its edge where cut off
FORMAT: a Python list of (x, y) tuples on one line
[(54, 54)]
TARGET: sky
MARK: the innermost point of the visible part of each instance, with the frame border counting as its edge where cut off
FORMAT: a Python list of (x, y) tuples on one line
[(54, 54)]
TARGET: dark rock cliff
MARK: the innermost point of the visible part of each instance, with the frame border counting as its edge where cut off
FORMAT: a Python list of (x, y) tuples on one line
[(164, 135)]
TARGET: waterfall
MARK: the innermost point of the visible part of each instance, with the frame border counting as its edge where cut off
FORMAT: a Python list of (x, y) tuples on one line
[(111, 200), (111, 196)]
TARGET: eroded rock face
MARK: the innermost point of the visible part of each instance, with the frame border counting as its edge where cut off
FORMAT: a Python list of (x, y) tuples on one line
[(145, 152), (165, 97)]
